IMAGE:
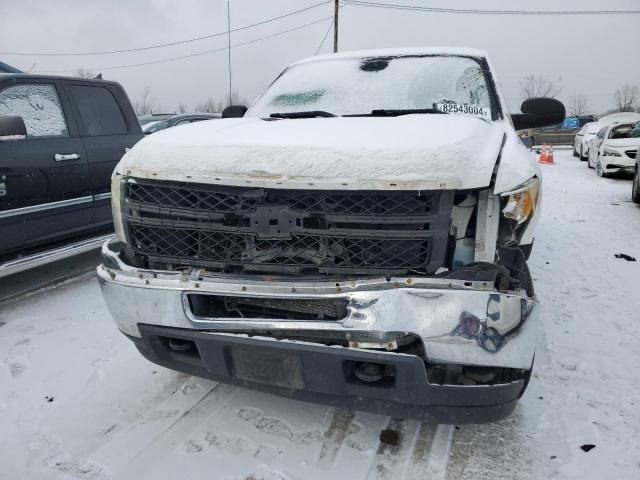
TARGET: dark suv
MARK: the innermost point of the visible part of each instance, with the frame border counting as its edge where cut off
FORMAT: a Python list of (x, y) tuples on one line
[(60, 139)]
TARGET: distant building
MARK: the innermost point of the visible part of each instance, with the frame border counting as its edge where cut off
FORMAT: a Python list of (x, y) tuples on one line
[(4, 68)]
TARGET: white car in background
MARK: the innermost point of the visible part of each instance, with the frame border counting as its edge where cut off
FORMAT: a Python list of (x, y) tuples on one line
[(582, 139), (614, 149)]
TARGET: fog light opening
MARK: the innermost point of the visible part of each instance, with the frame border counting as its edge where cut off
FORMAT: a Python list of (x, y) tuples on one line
[(378, 374), (369, 372), (179, 345)]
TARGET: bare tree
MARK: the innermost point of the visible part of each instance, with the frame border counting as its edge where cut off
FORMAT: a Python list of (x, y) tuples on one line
[(626, 98), (236, 99), (84, 73), (146, 102), (210, 105), (183, 108), (578, 105), (533, 86)]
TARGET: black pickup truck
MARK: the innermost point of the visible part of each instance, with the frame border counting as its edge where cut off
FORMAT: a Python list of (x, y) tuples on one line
[(60, 139)]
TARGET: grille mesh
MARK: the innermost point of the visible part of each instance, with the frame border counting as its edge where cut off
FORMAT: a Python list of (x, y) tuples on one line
[(323, 231), (303, 250), (236, 200)]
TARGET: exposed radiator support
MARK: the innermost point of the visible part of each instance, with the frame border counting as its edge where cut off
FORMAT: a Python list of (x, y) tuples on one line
[(487, 226)]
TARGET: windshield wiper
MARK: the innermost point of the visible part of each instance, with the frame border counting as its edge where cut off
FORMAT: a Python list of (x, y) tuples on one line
[(402, 111), (309, 114)]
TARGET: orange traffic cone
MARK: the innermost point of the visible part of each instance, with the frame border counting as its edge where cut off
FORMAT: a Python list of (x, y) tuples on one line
[(550, 154), (546, 154), (543, 154)]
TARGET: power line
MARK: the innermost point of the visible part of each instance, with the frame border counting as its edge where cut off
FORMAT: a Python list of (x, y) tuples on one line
[(418, 8), (170, 44), (172, 59), (324, 39)]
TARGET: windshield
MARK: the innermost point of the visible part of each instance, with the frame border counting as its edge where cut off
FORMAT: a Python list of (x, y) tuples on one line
[(621, 131), (155, 126), (352, 86)]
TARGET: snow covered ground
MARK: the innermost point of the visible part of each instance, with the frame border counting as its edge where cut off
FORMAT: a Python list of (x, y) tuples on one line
[(77, 400)]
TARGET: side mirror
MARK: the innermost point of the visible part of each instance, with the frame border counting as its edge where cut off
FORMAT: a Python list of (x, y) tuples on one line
[(538, 112), (234, 111), (12, 127)]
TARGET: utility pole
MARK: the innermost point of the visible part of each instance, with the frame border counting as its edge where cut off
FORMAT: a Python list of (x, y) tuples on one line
[(229, 49), (335, 26)]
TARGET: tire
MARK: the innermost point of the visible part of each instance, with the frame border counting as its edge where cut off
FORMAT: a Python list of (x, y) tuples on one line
[(582, 157), (635, 189), (600, 171), (575, 152), (589, 162)]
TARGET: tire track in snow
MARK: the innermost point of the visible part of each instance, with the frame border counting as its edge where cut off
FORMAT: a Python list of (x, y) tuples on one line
[(335, 435), (439, 453), (421, 448), (152, 440)]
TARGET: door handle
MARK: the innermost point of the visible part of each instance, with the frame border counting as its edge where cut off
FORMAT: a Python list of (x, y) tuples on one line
[(69, 156)]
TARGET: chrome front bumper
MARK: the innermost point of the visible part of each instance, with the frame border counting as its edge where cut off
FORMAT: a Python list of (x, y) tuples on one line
[(435, 310)]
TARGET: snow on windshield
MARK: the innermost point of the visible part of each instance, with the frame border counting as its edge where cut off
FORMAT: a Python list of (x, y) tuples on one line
[(345, 86), (39, 107)]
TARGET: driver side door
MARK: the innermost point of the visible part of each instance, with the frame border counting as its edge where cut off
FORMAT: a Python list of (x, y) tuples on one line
[(45, 196)]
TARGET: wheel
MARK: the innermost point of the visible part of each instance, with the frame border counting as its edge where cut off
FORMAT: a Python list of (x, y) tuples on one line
[(575, 152), (635, 189), (589, 164), (583, 157), (599, 170)]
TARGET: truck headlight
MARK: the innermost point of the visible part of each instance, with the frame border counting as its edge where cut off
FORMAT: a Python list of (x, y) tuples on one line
[(611, 153), (116, 184), (522, 201)]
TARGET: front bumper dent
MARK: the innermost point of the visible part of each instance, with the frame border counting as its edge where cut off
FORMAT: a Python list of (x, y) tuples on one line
[(465, 323)]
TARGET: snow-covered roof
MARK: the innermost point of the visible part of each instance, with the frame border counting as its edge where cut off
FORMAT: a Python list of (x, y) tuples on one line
[(619, 117), (398, 52)]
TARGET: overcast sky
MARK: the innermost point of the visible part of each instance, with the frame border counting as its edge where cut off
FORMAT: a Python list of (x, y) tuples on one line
[(590, 55)]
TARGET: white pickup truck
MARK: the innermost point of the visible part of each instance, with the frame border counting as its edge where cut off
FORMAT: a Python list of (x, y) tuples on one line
[(358, 238)]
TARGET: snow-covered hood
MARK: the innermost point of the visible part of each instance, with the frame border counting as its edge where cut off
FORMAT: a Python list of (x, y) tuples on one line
[(405, 152), (622, 142)]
